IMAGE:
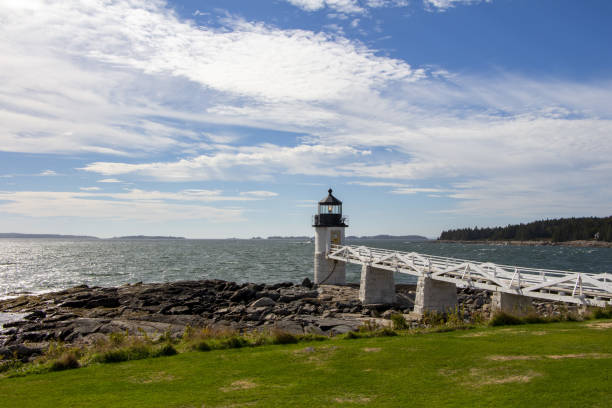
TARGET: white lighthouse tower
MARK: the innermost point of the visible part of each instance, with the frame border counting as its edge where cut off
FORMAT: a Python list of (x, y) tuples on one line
[(329, 230)]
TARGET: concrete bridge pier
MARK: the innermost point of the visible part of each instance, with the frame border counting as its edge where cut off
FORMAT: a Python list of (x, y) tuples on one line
[(328, 271), (434, 296), (515, 305), (377, 286)]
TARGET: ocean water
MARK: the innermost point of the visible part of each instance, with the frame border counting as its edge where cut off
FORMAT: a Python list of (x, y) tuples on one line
[(42, 265)]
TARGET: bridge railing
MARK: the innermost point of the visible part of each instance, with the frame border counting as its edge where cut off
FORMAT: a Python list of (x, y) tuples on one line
[(576, 287)]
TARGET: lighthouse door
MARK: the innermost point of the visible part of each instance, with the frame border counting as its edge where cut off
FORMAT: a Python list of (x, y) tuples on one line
[(335, 237)]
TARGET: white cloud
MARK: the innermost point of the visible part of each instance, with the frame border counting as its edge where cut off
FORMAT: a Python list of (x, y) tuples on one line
[(240, 163), (415, 190), (530, 196), (139, 205), (89, 188), (347, 6), (387, 3), (48, 173), (109, 180), (443, 5), (376, 184), (191, 195), (458, 130), (259, 193), (343, 6), (122, 65)]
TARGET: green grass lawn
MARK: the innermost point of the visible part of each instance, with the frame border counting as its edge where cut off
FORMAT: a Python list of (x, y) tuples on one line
[(548, 365)]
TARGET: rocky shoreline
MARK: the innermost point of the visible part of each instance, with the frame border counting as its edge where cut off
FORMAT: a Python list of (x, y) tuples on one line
[(83, 315)]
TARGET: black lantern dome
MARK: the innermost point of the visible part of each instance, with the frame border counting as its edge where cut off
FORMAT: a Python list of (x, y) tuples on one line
[(330, 212)]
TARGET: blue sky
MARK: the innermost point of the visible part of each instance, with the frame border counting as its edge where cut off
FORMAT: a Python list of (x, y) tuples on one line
[(231, 118)]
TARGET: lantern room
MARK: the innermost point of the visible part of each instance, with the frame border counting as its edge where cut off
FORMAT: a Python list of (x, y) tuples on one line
[(330, 212)]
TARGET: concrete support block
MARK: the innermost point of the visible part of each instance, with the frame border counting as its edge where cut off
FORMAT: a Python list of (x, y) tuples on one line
[(516, 305), (434, 296), (377, 286), (329, 271)]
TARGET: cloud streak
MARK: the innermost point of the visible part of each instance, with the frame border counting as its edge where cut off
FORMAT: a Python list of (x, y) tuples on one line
[(443, 5), (135, 204), (261, 162)]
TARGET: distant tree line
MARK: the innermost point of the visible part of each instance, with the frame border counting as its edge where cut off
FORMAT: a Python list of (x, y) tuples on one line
[(558, 230)]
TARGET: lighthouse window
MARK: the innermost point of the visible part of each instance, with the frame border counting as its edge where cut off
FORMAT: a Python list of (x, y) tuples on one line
[(330, 209)]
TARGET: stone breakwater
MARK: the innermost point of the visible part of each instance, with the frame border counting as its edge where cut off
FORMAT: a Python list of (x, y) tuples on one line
[(85, 314)]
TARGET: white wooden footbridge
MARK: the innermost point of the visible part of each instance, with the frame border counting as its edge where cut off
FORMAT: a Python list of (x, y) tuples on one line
[(587, 289)]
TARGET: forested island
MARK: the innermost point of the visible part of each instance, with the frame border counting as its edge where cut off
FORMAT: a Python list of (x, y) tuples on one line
[(556, 230)]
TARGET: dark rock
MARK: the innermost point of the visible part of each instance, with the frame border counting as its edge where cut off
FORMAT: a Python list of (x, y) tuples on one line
[(38, 314), (151, 302), (307, 283), (20, 351), (243, 295), (63, 334), (309, 308), (264, 301), (327, 324), (269, 294), (289, 326), (17, 323), (340, 329), (34, 337), (74, 304), (60, 317), (103, 301), (85, 326)]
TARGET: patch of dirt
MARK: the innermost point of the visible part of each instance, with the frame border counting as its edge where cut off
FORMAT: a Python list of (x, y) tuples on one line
[(480, 334), (551, 356), (447, 372), (372, 349), (513, 330), (243, 404), (511, 358), (353, 399), (239, 385), (539, 333), (600, 325), (481, 377), (596, 356), (152, 378), (512, 379)]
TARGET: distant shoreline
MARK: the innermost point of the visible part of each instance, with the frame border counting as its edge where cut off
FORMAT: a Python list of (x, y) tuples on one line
[(411, 238), (84, 237), (581, 243)]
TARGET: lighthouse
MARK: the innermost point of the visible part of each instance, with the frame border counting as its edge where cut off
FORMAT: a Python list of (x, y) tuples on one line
[(329, 225)]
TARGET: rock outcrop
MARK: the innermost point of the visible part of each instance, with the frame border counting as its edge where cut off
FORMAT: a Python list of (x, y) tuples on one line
[(84, 314)]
